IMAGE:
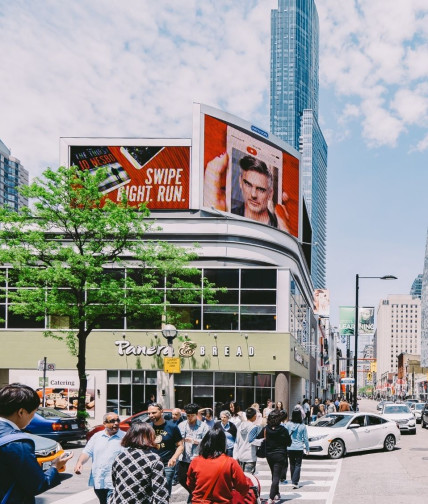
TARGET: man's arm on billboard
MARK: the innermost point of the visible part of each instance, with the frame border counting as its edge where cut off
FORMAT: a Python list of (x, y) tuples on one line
[(215, 182), (282, 214)]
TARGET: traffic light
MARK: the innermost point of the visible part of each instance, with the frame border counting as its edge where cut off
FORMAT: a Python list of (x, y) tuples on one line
[(369, 376)]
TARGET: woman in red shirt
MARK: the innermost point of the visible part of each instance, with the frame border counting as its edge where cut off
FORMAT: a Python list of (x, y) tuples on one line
[(213, 475)]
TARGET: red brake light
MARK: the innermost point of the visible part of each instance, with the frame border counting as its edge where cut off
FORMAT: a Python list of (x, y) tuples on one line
[(59, 426)]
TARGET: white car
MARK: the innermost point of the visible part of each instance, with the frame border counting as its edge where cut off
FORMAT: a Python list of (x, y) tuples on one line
[(401, 414), (335, 434), (416, 409)]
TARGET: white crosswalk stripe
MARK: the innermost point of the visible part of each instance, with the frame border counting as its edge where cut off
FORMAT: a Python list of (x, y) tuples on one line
[(318, 480)]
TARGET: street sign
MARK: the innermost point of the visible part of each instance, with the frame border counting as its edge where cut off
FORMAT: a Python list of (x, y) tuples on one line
[(49, 366), (347, 381), (171, 365)]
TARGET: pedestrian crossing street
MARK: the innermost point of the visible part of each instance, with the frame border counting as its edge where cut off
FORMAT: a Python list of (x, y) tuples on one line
[(318, 480)]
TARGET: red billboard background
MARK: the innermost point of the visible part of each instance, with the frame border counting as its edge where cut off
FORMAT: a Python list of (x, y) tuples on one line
[(215, 146), (156, 175)]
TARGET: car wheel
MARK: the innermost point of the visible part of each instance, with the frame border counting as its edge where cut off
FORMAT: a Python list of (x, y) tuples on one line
[(389, 443), (336, 449)]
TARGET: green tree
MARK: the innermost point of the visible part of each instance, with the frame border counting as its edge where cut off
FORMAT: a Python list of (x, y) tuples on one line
[(65, 250)]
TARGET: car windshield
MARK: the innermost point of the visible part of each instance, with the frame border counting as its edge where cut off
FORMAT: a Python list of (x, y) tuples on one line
[(332, 420), (52, 413), (400, 408), (419, 406)]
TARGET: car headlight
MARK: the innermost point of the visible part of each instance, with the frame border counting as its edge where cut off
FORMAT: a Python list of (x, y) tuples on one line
[(317, 438)]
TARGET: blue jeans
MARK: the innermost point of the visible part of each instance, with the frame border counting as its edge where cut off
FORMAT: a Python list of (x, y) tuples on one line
[(169, 475), (295, 457)]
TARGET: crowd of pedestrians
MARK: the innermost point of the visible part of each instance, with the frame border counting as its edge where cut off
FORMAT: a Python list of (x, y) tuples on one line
[(205, 453)]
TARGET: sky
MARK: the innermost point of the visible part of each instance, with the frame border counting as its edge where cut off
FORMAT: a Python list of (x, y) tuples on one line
[(109, 68)]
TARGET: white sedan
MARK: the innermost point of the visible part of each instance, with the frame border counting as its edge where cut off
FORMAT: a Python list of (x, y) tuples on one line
[(401, 414), (338, 433)]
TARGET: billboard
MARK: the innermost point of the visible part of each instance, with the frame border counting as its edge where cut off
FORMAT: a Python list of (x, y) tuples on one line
[(247, 172), (322, 302), (155, 172)]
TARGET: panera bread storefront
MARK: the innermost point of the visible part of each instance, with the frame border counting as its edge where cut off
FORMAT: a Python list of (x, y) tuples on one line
[(124, 369)]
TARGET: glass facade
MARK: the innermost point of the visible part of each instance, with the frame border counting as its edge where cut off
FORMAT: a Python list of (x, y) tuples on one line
[(294, 66), (12, 175), (127, 391), (245, 300), (314, 184), (294, 101)]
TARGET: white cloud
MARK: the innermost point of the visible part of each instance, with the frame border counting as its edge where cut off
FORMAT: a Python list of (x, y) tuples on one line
[(110, 68), (374, 54)]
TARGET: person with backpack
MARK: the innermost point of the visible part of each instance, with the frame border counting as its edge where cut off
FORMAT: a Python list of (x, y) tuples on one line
[(21, 477), (299, 443), (244, 450)]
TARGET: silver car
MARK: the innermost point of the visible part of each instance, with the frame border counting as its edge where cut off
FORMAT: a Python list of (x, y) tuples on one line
[(401, 414), (416, 409)]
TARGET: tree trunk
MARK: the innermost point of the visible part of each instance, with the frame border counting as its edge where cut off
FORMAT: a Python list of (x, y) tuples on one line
[(81, 369)]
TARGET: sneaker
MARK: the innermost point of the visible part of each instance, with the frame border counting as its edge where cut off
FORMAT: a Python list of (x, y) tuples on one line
[(296, 486), (277, 497), (283, 482), (269, 501)]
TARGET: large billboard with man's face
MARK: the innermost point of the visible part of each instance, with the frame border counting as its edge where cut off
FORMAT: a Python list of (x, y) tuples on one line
[(155, 172), (248, 174)]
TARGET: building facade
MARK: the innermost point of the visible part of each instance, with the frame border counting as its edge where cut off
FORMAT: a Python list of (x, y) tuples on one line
[(12, 175), (416, 288), (398, 331), (258, 341), (294, 104)]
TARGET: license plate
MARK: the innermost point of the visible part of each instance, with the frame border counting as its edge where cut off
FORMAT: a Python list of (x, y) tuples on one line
[(46, 465), (74, 426)]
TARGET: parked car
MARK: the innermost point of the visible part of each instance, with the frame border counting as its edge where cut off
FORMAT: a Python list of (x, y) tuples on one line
[(46, 451), (143, 416), (336, 434), (416, 409), (401, 414), (56, 425)]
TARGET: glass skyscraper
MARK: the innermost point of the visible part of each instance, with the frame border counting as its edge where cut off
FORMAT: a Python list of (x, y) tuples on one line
[(12, 175), (294, 111)]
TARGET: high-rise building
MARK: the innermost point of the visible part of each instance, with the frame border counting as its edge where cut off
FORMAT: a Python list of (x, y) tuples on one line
[(12, 175), (294, 111), (398, 330), (416, 289)]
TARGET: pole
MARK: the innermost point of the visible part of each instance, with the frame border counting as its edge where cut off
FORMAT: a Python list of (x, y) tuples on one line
[(354, 399), (44, 381)]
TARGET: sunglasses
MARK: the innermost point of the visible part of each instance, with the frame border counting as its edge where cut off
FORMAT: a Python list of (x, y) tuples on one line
[(116, 420)]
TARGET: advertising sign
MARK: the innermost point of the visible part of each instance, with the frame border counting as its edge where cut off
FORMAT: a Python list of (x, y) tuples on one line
[(155, 172), (347, 320), (322, 302), (248, 175)]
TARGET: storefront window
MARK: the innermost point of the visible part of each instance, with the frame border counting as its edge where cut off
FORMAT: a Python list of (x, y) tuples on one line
[(202, 378), (225, 379), (258, 279)]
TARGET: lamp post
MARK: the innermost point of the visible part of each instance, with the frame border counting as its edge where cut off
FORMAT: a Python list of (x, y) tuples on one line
[(169, 332), (357, 286)]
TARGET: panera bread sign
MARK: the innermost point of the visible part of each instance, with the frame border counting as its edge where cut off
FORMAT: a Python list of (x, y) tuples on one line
[(187, 349)]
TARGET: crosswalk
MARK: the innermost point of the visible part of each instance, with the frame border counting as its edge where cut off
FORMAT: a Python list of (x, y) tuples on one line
[(318, 480)]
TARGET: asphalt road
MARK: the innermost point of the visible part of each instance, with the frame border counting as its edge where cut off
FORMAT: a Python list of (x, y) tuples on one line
[(397, 477)]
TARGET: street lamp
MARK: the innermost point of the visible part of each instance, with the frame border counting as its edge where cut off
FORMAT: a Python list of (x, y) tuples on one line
[(357, 279), (169, 332)]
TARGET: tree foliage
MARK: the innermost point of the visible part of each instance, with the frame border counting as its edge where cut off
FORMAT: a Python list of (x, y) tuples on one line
[(65, 251)]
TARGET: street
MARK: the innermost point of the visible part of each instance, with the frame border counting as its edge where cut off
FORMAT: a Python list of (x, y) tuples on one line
[(397, 477)]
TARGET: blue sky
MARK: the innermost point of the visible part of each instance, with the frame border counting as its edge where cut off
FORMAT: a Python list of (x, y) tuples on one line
[(134, 68)]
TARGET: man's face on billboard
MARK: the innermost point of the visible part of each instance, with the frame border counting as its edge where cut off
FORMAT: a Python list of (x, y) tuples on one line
[(256, 191)]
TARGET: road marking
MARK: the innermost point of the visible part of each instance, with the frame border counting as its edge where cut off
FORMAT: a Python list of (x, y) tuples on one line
[(79, 498), (334, 484)]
